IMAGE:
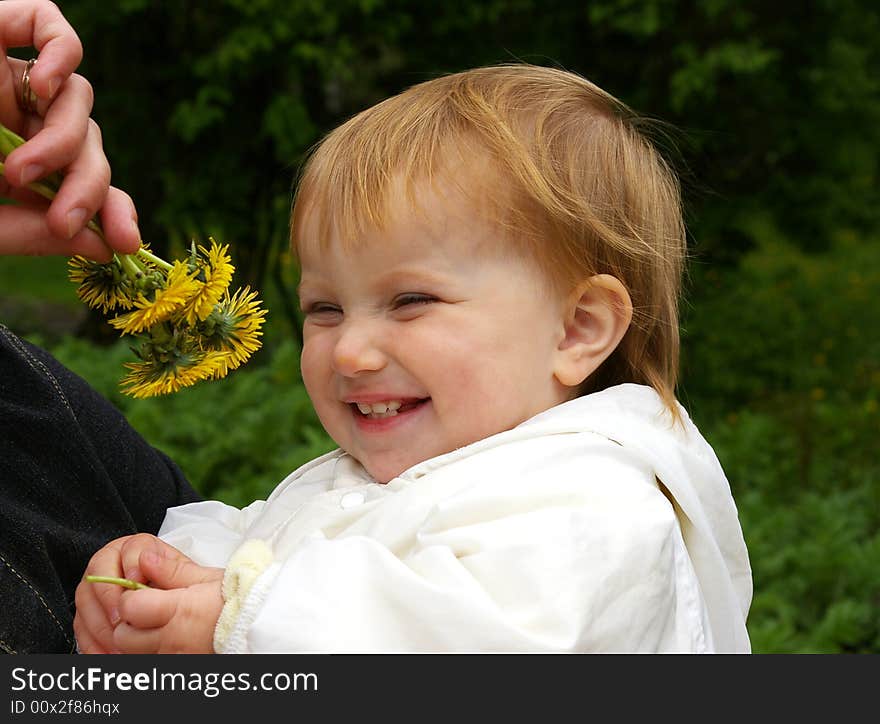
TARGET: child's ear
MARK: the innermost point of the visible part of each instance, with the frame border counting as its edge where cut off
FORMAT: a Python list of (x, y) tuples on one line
[(597, 315)]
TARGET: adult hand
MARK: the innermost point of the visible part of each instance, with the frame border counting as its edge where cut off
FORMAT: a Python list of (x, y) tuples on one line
[(60, 137)]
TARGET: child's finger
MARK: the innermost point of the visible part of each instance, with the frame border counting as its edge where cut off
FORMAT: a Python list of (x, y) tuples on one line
[(104, 563), (85, 642), (130, 554), (132, 640), (105, 618), (147, 608), (91, 625), (175, 572)]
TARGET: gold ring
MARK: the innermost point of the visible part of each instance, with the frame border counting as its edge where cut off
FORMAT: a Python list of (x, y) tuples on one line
[(28, 97)]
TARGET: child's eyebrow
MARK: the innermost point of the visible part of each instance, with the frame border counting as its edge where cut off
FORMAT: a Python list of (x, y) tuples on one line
[(403, 275), (414, 275)]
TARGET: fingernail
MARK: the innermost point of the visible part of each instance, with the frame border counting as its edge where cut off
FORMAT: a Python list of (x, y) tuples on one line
[(114, 616), (53, 87), (152, 557), (137, 231), (31, 173), (76, 219)]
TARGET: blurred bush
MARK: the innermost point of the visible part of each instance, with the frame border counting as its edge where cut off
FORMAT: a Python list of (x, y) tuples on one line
[(782, 373)]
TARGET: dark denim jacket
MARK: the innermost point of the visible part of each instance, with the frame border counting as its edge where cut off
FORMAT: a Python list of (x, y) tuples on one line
[(73, 476)]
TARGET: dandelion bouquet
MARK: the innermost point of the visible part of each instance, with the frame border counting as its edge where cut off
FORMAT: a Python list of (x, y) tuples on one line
[(186, 324)]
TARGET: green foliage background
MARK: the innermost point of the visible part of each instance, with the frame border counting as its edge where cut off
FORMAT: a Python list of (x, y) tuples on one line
[(208, 108)]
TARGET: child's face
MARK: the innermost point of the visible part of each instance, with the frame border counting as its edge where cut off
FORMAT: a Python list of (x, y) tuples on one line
[(432, 317)]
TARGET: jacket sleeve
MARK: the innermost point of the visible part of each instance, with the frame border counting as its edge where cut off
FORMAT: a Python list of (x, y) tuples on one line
[(209, 532), (560, 562)]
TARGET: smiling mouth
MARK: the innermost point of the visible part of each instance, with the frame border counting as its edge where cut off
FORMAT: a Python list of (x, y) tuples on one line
[(389, 408)]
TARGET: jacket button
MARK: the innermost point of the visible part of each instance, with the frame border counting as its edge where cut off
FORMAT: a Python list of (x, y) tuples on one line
[(351, 500)]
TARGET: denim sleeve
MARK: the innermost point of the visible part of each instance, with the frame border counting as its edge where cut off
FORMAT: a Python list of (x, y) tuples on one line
[(73, 476)]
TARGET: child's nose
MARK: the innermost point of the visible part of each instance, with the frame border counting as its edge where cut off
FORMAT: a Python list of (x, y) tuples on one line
[(357, 351)]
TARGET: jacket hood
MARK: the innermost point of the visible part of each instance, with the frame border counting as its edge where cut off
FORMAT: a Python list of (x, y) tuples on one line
[(690, 474)]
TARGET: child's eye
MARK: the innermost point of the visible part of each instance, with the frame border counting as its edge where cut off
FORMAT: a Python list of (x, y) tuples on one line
[(321, 308), (410, 298)]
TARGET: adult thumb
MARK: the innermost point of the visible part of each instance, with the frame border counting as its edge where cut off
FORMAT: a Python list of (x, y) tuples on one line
[(174, 572)]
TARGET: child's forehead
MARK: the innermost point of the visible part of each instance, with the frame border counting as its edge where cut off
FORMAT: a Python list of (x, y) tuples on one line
[(428, 206)]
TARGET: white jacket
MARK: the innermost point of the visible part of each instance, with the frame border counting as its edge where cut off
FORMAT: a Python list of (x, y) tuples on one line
[(552, 536)]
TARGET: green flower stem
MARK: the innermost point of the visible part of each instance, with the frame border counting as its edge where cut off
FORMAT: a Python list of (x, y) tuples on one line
[(9, 140), (124, 582), (161, 263), (130, 266)]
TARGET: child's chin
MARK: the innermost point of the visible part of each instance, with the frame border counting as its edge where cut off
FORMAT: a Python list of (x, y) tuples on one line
[(385, 469), (384, 473), (383, 476)]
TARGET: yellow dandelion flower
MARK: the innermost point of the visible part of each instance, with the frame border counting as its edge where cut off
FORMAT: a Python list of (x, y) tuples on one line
[(155, 377), (100, 286), (234, 327), (215, 271), (213, 365), (168, 302), (189, 326)]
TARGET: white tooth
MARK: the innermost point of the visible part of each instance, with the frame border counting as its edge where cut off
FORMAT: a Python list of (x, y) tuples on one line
[(380, 409)]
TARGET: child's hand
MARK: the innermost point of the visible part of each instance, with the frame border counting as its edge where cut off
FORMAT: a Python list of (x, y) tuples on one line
[(177, 614), (97, 604)]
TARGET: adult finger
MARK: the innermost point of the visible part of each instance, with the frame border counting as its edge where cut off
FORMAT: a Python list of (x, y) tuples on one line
[(57, 140), (119, 221), (83, 190), (24, 232), (41, 24), (13, 74)]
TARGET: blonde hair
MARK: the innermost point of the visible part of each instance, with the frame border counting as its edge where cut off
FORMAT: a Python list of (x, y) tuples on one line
[(570, 175)]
